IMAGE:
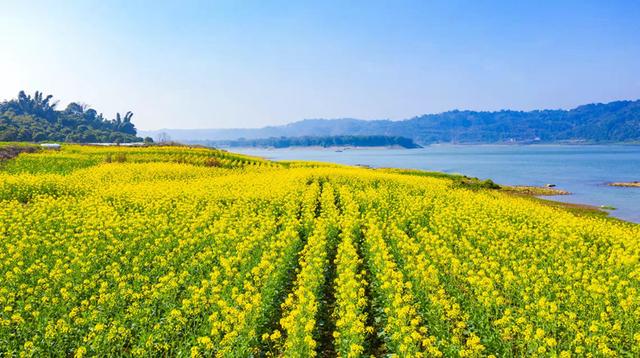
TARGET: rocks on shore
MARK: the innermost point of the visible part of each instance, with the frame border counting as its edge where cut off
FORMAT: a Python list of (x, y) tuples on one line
[(535, 190), (631, 184), (11, 151)]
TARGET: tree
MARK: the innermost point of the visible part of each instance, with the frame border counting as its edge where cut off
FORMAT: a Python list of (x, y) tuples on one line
[(36, 118), (90, 115), (38, 105), (39, 137), (74, 108), (163, 137), (8, 135), (124, 123)]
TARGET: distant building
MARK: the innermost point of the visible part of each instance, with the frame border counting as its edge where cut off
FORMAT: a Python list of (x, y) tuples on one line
[(50, 145)]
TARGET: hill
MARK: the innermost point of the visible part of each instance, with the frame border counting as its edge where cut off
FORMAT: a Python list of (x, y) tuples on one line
[(36, 119), (592, 123)]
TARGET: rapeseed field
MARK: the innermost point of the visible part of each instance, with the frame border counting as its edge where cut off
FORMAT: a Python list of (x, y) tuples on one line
[(176, 251)]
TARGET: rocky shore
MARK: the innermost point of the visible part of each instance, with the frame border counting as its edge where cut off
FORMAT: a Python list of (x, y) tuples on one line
[(631, 184)]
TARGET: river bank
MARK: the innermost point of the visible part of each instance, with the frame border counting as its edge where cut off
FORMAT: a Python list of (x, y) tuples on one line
[(582, 170)]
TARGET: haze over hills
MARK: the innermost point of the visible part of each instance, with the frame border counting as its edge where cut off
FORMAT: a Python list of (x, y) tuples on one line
[(611, 122)]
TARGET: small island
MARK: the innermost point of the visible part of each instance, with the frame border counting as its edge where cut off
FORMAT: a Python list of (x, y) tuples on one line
[(340, 141), (630, 184)]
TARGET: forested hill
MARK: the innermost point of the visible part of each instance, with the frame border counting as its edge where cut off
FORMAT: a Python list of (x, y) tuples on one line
[(611, 122), (325, 142), (36, 118)]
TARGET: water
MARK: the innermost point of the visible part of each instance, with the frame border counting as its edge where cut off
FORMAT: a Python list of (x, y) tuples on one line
[(581, 170)]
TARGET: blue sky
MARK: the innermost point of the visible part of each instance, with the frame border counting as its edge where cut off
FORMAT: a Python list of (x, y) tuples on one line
[(206, 64)]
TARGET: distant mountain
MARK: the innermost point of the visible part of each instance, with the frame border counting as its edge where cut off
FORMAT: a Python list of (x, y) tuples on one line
[(612, 122)]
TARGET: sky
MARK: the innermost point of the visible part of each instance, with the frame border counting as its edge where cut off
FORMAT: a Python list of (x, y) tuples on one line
[(246, 64)]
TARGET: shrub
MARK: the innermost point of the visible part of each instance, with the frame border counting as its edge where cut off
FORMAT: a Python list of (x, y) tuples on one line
[(212, 162)]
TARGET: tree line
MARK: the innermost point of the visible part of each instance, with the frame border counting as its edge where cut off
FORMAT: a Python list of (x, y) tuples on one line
[(324, 141), (36, 118)]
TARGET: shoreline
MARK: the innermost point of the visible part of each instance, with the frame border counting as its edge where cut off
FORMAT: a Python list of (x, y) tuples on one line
[(593, 192), (533, 190), (332, 148), (539, 194), (550, 144), (543, 196), (427, 145)]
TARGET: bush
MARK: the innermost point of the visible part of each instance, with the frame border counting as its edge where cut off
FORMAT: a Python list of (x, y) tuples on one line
[(120, 158), (489, 184), (212, 162)]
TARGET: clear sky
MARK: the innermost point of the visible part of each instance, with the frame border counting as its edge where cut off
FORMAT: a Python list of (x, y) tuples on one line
[(206, 64)]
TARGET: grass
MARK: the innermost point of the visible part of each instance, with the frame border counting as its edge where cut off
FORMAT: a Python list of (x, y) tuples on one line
[(459, 180)]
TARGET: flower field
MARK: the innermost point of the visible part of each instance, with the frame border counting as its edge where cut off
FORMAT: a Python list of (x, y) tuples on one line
[(175, 251)]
